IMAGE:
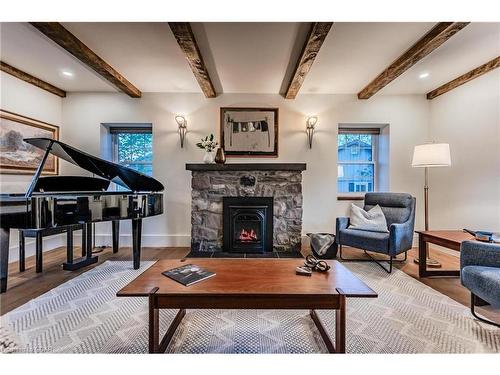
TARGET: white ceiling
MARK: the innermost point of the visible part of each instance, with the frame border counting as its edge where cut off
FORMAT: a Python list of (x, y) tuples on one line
[(248, 57), (25, 48), (474, 45), (355, 53), (147, 54), (251, 57)]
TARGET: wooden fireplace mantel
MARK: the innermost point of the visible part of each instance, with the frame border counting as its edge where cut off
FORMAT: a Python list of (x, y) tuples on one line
[(246, 167)]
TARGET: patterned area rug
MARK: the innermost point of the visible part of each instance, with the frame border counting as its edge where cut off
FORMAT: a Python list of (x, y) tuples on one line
[(84, 316)]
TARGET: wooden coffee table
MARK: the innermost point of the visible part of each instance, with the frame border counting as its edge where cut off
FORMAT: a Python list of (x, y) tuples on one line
[(248, 284), (451, 239)]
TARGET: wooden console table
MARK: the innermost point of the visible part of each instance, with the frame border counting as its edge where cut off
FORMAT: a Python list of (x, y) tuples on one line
[(451, 239)]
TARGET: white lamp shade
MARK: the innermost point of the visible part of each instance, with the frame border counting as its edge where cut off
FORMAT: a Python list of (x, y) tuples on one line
[(431, 155)]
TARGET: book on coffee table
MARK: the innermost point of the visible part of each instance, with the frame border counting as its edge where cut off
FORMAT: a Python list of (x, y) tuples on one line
[(189, 274)]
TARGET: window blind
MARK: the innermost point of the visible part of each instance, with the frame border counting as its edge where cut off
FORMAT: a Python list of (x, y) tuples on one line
[(130, 129), (373, 131)]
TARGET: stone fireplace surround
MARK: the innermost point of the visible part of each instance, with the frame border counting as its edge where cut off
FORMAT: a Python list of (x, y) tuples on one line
[(211, 182)]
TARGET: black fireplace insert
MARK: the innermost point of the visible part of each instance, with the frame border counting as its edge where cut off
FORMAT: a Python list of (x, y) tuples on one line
[(247, 224)]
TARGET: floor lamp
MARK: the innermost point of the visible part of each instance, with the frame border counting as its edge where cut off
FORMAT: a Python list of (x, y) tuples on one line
[(429, 156)]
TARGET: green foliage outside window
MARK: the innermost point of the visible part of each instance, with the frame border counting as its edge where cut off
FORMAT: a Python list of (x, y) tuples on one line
[(135, 150)]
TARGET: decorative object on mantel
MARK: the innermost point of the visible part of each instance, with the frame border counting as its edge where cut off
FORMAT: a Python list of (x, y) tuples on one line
[(220, 156), (249, 131), (182, 122), (208, 144), (425, 156), (19, 157), (310, 123)]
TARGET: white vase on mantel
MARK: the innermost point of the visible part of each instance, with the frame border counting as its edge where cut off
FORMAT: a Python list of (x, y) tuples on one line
[(209, 157)]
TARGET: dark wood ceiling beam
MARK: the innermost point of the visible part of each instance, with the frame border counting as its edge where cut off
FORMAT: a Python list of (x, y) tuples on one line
[(312, 45), (464, 78), (185, 38), (439, 34), (26, 77), (57, 33)]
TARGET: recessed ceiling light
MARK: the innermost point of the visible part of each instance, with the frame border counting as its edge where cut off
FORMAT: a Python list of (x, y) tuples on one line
[(423, 75), (67, 73)]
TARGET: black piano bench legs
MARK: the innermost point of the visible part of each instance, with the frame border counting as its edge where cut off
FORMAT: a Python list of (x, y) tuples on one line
[(4, 258), (85, 261), (136, 242)]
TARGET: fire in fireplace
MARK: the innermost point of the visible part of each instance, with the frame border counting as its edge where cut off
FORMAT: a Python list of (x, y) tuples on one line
[(248, 224), (246, 236)]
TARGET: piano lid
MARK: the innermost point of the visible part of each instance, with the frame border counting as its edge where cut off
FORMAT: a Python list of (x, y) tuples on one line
[(124, 176)]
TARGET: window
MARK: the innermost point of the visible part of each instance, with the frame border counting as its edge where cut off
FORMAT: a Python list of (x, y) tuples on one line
[(133, 148), (357, 160)]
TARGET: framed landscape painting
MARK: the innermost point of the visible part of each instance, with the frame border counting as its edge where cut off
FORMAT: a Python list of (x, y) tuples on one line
[(250, 132), (17, 156)]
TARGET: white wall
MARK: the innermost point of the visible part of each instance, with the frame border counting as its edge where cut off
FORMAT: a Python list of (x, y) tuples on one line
[(408, 117), (467, 194), (27, 100), (24, 99)]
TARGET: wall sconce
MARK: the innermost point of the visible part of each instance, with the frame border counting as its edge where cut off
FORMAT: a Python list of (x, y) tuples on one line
[(182, 122), (310, 123)]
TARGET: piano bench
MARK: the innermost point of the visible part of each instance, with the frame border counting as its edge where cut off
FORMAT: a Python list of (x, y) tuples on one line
[(38, 234)]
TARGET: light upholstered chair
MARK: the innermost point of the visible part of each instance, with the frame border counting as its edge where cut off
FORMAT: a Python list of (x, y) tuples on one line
[(480, 273), (399, 211)]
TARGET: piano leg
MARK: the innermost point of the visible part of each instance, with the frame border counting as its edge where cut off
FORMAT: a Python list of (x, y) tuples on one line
[(4, 258), (39, 251), (84, 240), (116, 235), (88, 240), (22, 252), (69, 245), (136, 242)]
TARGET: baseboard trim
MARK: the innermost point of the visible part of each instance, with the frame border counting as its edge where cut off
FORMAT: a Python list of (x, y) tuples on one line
[(148, 240)]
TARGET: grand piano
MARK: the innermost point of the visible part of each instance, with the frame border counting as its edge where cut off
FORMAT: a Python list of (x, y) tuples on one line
[(58, 201)]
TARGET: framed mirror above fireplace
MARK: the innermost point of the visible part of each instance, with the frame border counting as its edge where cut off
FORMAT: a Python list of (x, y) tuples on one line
[(247, 224)]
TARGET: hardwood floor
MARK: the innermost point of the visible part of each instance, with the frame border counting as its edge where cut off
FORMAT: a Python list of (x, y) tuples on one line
[(24, 286)]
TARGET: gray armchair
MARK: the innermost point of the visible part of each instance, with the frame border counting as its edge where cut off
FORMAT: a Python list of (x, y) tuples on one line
[(399, 211), (480, 273)]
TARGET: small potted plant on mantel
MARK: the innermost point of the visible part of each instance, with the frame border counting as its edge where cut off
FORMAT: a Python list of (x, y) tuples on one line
[(208, 144)]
